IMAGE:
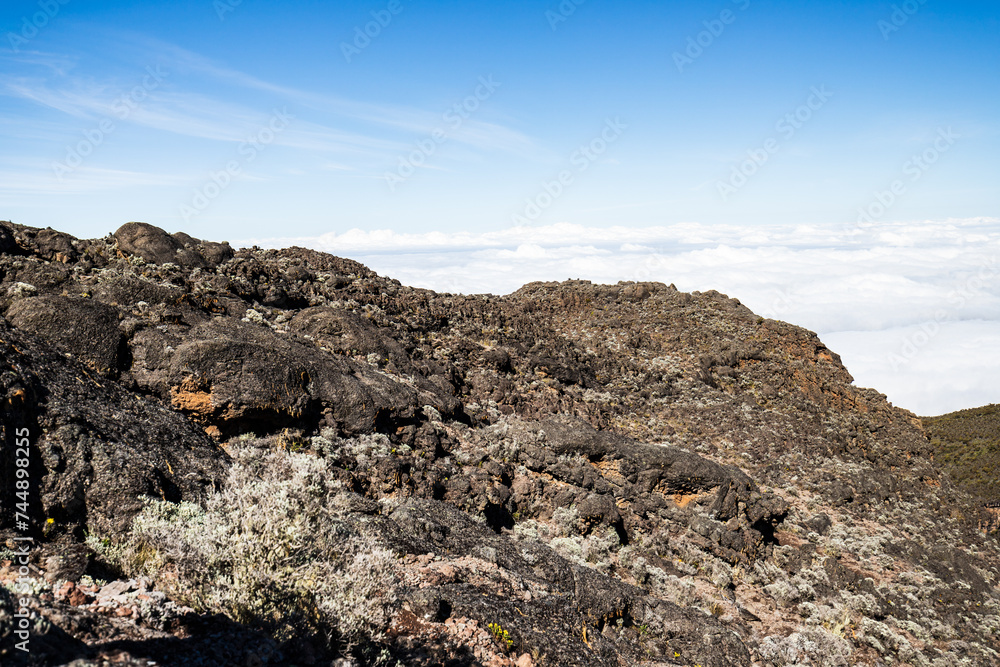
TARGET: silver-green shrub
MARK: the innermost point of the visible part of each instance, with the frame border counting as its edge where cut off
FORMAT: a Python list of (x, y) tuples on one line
[(272, 548)]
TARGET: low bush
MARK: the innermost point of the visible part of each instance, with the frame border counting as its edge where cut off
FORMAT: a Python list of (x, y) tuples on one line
[(274, 548)]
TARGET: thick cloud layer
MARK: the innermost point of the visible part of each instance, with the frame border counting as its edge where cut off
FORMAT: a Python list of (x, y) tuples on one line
[(913, 308), (924, 368)]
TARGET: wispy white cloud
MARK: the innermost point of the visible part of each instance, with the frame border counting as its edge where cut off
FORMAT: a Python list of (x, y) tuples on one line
[(79, 101), (59, 63), (187, 114), (212, 116), (866, 288), (17, 184)]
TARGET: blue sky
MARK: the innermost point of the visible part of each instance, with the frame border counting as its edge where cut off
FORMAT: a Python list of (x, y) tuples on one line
[(257, 124), (832, 164)]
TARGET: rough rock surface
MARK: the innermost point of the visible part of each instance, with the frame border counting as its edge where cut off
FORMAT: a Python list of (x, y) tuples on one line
[(154, 245), (86, 329), (95, 447), (573, 474)]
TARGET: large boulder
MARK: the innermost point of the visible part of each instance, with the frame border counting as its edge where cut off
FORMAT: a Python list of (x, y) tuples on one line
[(235, 376), (94, 449), (47, 244), (158, 247), (81, 327), (345, 332), (149, 242)]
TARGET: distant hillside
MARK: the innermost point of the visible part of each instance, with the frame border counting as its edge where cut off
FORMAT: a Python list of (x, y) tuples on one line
[(967, 445)]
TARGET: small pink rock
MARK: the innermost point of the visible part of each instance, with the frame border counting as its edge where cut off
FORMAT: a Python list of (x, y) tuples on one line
[(78, 598)]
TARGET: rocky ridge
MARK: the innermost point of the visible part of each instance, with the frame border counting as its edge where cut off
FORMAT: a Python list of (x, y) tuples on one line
[(573, 474)]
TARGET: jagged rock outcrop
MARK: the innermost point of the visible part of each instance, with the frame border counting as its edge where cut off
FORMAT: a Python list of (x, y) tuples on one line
[(609, 474)]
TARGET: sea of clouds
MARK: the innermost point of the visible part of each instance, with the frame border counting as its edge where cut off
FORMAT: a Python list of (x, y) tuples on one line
[(912, 308)]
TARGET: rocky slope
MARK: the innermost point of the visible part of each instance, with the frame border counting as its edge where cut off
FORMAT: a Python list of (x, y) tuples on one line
[(280, 457), (967, 446)]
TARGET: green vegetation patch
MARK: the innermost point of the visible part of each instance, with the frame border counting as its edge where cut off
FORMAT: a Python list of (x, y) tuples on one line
[(967, 446)]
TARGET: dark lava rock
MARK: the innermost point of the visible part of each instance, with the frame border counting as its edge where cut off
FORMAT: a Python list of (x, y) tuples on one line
[(156, 246), (820, 523), (8, 243), (347, 333), (616, 474), (86, 329), (45, 643), (149, 242), (95, 449), (243, 377)]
